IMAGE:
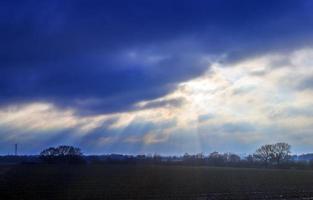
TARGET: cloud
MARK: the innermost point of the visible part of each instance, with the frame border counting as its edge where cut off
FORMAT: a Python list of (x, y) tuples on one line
[(176, 102), (307, 83), (205, 117), (104, 57), (162, 76)]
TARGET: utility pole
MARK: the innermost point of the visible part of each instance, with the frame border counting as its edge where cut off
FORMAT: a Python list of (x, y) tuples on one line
[(15, 149)]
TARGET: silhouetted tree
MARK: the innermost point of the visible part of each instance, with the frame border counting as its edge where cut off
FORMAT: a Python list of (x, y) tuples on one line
[(68, 151), (281, 152), (200, 156), (233, 158), (63, 153), (62, 150), (51, 151), (216, 158), (273, 152), (250, 159), (264, 153)]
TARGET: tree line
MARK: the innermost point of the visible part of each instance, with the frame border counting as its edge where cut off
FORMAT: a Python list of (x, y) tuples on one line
[(269, 155)]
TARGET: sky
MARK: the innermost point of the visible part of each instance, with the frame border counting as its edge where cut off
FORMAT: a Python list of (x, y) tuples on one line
[(156, 76)]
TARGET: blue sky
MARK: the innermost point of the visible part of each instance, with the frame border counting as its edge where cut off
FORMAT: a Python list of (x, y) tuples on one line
[(166, 76)]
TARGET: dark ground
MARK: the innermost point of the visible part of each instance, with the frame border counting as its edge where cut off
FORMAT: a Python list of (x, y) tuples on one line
[(151, 182)]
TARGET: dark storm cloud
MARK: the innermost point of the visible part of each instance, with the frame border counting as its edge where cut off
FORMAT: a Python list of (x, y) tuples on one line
[(105, 56)]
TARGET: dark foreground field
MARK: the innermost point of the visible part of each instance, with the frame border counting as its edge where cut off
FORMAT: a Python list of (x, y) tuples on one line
[(151, 182)]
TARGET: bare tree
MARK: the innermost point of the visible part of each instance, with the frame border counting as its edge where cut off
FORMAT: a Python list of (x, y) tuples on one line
[(250, 158), (65, 150), (264, 153), (214, 155), (62, 154), (273, 152), (62, 150), (233, 158), (216, 158), (281, 152), (230, 157), (51, 151)]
